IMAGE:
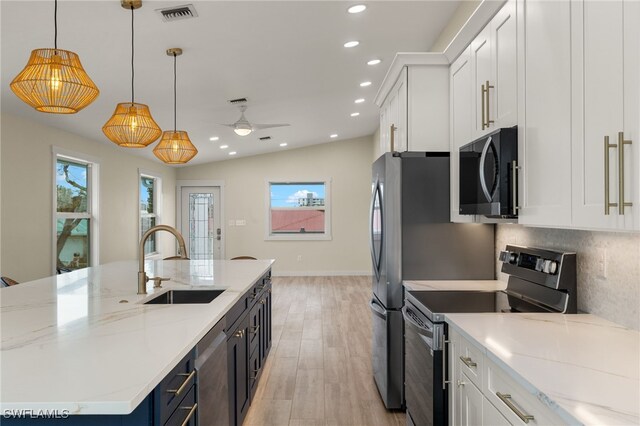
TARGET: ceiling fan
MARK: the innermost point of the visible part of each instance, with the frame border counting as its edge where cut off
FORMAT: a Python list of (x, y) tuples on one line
[(242, 127)]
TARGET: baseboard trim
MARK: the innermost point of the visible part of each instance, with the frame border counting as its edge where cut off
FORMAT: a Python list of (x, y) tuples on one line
[(319, 273)]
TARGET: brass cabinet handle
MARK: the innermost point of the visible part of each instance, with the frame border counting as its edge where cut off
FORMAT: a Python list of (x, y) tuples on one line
[(184, 384), (239, 333), (607, 203), (621, 144), (487, 87), (392, 136), (261, 302), (256, 375), (483, 92), (192, 411), (255, 329), (461, 383), (506, 398), (468, 361)]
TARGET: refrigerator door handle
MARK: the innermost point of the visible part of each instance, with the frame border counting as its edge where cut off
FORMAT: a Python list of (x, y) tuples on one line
[(374, 258), (377, 309)]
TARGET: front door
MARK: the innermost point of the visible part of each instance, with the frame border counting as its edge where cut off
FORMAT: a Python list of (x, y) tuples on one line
[(201, 225)]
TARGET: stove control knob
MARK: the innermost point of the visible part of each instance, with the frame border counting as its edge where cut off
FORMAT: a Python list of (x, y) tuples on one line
[(508, 257), (550, 267)]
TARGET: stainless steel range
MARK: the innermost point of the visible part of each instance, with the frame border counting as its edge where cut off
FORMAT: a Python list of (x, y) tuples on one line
[(539, 281)]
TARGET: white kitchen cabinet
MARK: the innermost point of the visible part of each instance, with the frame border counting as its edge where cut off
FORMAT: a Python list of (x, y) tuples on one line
[(491, 416), (605, 84), (494, 73), (460, 104), (544, 112), (414, 112), (471, 399)]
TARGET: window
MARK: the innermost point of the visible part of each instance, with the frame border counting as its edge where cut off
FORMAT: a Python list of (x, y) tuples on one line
[(299, 211), (150, 191), (75, 198)]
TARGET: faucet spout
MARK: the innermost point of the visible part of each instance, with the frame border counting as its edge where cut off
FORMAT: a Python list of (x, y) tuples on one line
[(142, 275)]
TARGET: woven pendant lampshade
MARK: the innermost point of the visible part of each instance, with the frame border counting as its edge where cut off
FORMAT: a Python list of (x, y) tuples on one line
[(54, 80), (131, 125), (175, 147)]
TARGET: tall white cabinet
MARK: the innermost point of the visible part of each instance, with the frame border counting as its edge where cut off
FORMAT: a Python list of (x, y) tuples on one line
[(605, 141)]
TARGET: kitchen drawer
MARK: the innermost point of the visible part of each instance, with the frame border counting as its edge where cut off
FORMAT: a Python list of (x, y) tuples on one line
[(471, 360), (522, 402), (491, 416), (254, 372), (186, 412), (173, 388), (255, 324)]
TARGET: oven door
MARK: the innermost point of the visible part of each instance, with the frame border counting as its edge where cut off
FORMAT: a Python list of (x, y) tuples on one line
[(424, 391)]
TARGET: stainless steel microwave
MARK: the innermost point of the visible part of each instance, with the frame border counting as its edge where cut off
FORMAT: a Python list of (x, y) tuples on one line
[(488, 180)]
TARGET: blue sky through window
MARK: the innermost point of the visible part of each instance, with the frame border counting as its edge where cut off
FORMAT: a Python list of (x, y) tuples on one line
[(287, 194)]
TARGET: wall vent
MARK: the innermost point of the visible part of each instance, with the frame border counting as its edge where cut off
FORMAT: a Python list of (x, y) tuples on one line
[(238, 101), (265, 138), (177, 13)]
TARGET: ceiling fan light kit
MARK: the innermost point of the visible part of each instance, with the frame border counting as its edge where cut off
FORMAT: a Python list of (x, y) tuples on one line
[(54, 81), (175, 147), (243, 127), (131, 124)]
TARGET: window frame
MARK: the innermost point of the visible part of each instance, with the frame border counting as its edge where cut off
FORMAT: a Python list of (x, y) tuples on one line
[(93, 206), (157, 202), (325, 236)]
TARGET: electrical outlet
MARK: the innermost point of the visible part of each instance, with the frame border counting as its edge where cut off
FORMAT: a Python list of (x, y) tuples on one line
[(601, 263), (299, 258)]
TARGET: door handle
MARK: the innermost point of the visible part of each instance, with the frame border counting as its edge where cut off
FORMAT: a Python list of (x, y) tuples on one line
[(482, 94), (483, 158), (621, 143), (607, 203), (392, 136), (378, 310), (487, 87)]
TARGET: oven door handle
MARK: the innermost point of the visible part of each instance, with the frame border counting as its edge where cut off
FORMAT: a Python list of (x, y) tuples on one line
[(377, 309), (483, 158), (424, 332)]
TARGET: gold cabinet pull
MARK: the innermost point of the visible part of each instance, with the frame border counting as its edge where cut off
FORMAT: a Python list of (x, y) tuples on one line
[(468, 361), (255, 329), (621, 144), (239, 334), (487, 87), (184, 384), (607, 203), (483, 93), (192, 411), (392, 135), (506, 398)]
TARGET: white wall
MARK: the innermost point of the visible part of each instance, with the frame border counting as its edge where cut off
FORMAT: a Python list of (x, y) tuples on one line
[(614, 295), (347, 163), (26, 185)]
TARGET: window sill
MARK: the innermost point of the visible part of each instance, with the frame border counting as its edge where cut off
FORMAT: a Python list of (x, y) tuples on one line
[(153, 256), (298, 237)]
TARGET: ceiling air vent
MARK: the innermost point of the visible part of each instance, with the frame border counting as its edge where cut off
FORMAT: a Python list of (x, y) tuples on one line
[(238, 101), (265, 138), (176, 13)]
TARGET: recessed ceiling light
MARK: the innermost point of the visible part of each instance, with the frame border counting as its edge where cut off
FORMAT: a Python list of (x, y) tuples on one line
[(357, 8), (374, 62), (359, 101), (355, 114), (333, 136), (224, 146), (232, 153), (351, 43), (283, 144), (365, 84), (214, 138)]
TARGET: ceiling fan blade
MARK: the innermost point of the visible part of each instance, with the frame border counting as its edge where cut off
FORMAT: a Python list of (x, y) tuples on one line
[(233, 126), (267, 126)]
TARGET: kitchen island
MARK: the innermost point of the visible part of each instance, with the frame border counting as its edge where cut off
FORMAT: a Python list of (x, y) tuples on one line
[(84, 343)]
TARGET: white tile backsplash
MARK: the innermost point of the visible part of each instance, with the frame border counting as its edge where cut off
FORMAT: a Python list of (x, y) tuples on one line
[(608, 267)]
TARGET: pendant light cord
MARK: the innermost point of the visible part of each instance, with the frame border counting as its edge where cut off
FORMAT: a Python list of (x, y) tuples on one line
[(55, 25), (175, 93), (132, 54)]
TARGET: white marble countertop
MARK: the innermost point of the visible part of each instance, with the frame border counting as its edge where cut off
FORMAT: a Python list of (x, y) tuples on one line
[(69, 344), (457, 285), (584, 368)]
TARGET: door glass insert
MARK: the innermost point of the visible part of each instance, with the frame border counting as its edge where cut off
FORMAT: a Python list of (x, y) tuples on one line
[(201, 227)]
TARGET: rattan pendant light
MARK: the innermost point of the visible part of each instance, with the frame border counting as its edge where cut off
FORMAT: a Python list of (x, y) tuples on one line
[(131, 125), (175, 147), (54, 81)]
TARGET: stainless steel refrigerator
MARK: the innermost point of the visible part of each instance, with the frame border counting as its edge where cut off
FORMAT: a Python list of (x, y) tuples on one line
[(411, 238)]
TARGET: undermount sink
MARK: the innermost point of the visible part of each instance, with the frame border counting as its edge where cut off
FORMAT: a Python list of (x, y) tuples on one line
[(174, 297)]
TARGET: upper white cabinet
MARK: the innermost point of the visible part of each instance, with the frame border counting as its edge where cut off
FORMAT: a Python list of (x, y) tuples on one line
[(413, 101), (494, 73), (605, 139), (544, 112)]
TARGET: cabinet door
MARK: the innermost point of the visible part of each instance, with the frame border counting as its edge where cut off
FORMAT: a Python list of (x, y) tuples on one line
[(398, 113), (491, 416), (470, 411), (461, 125), (503, 97), (238, 363), (384, 128), (481, 73), (544, 98)]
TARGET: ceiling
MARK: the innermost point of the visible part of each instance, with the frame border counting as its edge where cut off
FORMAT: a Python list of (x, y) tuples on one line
[(286, 57)]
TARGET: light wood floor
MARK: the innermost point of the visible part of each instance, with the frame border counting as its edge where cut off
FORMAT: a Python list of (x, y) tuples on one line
[(319, 369)]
